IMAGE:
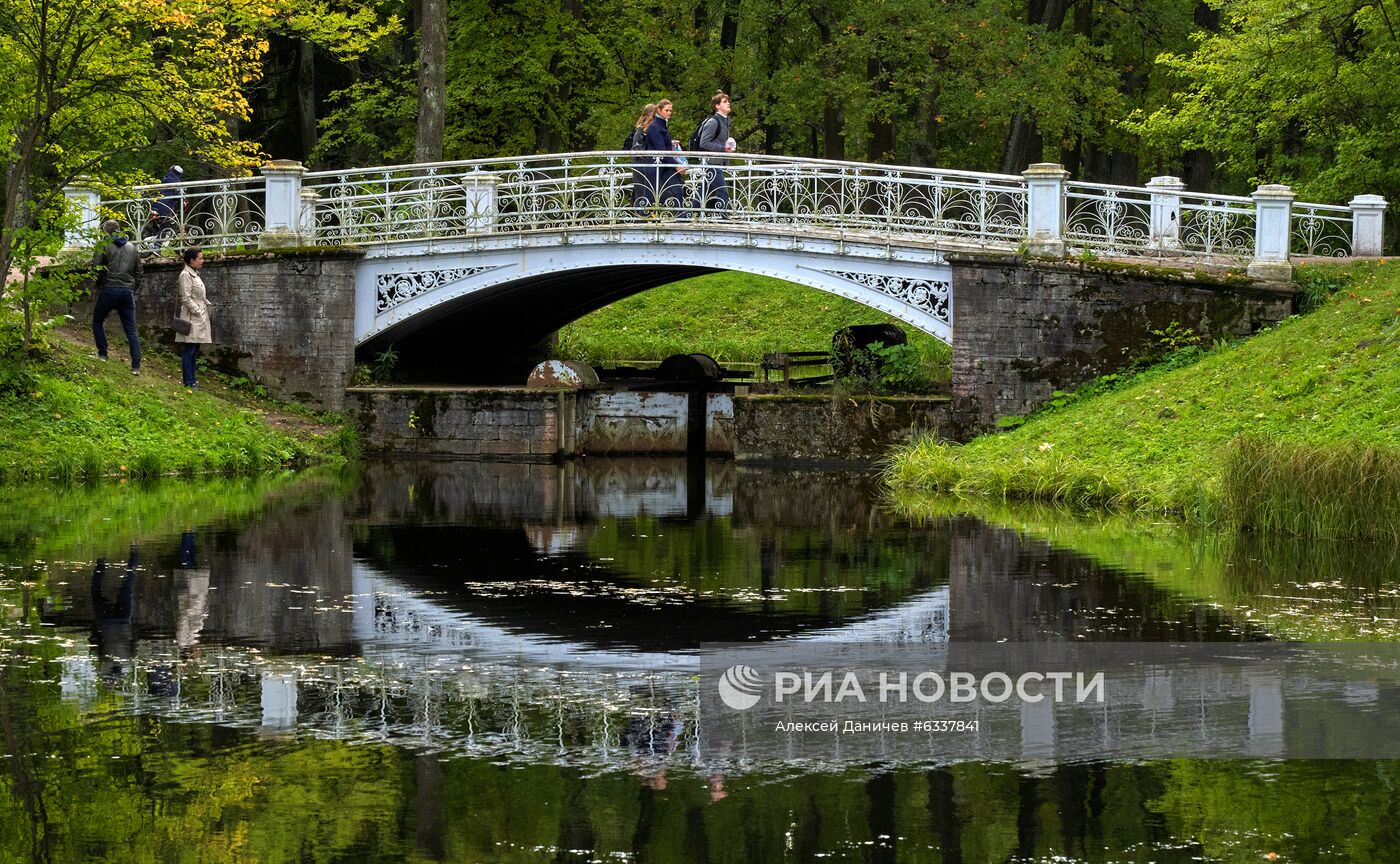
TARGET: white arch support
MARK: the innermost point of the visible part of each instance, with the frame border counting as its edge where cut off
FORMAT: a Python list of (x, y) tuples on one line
[(911, 282)]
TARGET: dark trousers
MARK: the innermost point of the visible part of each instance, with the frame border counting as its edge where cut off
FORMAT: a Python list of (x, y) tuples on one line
[(187, 358), (123, 300), (716, 190)]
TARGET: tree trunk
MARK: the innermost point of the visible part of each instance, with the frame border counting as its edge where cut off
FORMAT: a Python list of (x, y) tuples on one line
[(306, 98), (728, 38), (881, 130), (1023, 142), (833, 114), (16, 215), (432, 80)]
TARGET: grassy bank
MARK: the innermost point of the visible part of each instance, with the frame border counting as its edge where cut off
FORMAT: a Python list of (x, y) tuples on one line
[(68, 415), (1296, 430), (733, 317)]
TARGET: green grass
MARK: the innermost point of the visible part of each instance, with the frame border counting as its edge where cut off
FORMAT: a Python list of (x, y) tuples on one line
[(1293, 588), (1168, 439), (733, 317), (70, 416)]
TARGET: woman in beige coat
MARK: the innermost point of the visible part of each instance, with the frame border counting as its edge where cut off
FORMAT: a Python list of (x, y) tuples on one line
[(194, 308)]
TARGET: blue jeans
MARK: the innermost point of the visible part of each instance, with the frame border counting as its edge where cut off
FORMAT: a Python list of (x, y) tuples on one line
[(124, 302), (187, 358)]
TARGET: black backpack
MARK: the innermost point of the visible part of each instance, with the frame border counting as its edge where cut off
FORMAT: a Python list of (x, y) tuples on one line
[(635, 140), (694, 143)]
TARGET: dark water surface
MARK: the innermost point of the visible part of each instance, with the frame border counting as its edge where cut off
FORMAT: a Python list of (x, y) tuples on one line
[(437, 661)]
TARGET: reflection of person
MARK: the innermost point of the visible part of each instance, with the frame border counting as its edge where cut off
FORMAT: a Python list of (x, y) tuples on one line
[(194, 308), (653, 737), (116, 291), (113, 634), (192, 597)]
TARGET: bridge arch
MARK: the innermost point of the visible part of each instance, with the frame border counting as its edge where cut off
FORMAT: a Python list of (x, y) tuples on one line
[(532, 286)]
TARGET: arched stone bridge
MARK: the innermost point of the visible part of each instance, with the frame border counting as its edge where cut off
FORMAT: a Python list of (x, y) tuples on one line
[(492, 252)]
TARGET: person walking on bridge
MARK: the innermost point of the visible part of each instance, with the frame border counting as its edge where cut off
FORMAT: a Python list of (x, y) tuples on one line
[(713, 137), (119, 274), (643, 178), (670, 192)]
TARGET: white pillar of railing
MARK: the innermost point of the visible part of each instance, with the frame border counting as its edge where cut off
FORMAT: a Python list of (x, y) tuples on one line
[(480, 190), (1273, 231), (282, 204), (1045, 208), (1164, 216), (85, 201), (1367, 225), (306, 218)]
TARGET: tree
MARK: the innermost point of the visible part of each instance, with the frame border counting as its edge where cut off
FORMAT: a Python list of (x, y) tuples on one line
[(1286, 93), (101, 87)]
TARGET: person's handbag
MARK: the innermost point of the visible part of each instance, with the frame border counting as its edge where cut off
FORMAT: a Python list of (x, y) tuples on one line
[(181, 326)]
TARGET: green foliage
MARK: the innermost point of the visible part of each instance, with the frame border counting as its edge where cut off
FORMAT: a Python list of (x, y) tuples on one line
[(1308, 96), (885, 369), (1319, 282), (248, 386), (1160, 441), (1175, 337)]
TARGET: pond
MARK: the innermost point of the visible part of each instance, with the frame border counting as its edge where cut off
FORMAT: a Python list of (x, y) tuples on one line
[(455, 661)]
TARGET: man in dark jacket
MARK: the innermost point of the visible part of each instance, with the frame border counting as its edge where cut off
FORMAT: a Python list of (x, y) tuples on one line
[(168, 207), (119, 272), (714, 136)]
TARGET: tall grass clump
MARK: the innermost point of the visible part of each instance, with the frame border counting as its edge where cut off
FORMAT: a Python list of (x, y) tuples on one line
[(1341, 490)]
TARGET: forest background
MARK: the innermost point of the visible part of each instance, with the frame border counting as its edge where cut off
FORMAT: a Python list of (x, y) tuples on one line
[(1225, 93)]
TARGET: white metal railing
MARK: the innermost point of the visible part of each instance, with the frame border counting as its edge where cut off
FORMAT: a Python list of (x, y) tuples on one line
[(581, 191), (1321, 229), (212, 214), (1218, 226), (1111, 220), (586, 190)]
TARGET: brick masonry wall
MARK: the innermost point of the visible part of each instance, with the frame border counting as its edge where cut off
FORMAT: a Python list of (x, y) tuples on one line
[(284, 319), (833, 429), (1024, 328), (487, 423)]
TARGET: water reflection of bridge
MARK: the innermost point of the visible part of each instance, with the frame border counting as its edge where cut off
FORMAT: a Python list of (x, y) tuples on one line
[(526, 548), (458, 588)]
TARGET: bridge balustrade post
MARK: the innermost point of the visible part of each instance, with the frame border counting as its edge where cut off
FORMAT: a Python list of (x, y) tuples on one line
[(1273, 231), (281, 204), (85, 200), (1367, 225), (307, 218), (1164, 215), (480, 191), (1045, 208)]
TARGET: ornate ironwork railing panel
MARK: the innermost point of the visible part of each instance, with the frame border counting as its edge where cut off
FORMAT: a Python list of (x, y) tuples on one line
[(447, 200), (1217, 227), (212, 214), (539, 193), (1113, 220), (1321, 229)]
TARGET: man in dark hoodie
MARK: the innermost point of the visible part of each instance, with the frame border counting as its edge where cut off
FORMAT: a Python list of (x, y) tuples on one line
[(119, 270)]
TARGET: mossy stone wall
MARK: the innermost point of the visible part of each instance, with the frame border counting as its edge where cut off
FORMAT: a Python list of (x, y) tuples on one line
[(1024, 328)]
